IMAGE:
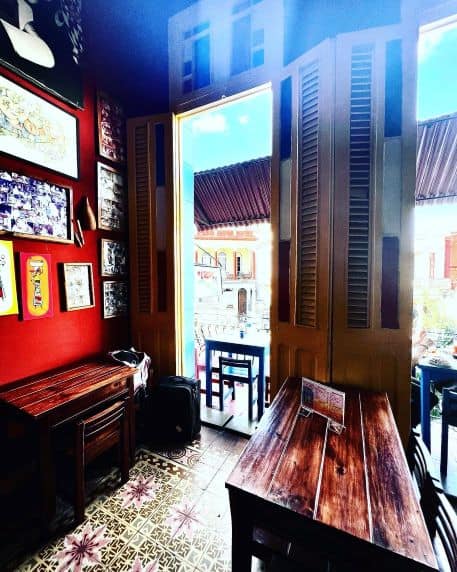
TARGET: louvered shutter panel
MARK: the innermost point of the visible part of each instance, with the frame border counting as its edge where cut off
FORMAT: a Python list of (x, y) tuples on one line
[(143, 221), (302, 183), (358, 269), (151, 216), (308, 197), (375, 136)]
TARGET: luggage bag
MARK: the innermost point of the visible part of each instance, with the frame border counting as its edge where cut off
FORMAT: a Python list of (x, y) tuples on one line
[(175, 409)]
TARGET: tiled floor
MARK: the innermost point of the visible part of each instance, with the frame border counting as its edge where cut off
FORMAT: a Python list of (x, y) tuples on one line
[(172, 515)]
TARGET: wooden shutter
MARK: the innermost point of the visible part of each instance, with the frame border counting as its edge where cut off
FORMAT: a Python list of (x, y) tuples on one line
[(308, 195), (151, 212), (374, 197), (302, 179), (360, 188)]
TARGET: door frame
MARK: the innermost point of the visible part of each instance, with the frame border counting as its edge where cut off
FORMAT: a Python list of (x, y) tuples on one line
[(192, 108)]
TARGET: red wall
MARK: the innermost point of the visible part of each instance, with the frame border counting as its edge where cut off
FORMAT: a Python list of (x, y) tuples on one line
[(33, 346)]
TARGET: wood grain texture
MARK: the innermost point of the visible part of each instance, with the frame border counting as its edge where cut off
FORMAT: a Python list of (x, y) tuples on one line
[(298, 471), (256, 467), (343, 477), (42, 394), (352, 492), (397, 520)]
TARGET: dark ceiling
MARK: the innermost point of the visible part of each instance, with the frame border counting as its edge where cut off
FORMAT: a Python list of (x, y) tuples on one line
[(127, 49), (127, 40)]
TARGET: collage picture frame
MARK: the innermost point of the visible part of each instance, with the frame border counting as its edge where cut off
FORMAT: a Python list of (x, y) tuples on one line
[(113, 258), (115, 298), (111, 198)]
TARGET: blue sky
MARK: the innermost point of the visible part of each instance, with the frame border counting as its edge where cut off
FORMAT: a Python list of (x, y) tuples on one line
[(437, 74), (232, 133)]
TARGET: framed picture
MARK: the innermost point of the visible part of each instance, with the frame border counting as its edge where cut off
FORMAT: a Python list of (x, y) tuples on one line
[(35, 209), (115, 299), (79, 285), (111, 129), (43, 42), (8, 294), (114, 258), (111, 198), (36, 286), (34, 130)]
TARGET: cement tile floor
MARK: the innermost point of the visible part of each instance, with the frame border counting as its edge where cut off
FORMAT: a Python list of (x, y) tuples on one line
[(172, 515)]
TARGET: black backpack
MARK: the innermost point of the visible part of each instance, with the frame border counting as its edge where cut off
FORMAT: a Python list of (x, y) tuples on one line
[(175, 409)]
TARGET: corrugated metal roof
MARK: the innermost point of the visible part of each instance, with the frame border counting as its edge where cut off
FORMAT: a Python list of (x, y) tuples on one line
[(437, 160), (238, 194)]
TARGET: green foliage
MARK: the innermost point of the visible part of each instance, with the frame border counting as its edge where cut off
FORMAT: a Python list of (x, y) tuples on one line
[(437, 314)]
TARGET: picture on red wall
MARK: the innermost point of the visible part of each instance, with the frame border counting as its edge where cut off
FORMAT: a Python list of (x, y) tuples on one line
[(111, 129), (78, 285), (36, 286), (32, 208), (115, 299), (34, 130), (111, 198), (8, 295), (43, 41)]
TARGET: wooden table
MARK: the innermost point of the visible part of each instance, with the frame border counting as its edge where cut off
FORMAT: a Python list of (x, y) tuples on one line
[(429, 373), (347, 498), (57, 397), (252, 345)]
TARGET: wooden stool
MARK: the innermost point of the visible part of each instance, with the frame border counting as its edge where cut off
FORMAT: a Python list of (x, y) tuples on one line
[(97, 434)]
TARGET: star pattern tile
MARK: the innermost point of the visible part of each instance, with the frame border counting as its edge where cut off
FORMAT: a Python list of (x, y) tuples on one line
[(172, 515)]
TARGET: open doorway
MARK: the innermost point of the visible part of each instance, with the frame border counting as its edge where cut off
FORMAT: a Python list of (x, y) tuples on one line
[(224, 254), (434, 334)]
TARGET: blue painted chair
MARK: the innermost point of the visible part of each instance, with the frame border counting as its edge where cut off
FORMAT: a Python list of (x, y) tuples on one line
[(234, 370), (449, 417)]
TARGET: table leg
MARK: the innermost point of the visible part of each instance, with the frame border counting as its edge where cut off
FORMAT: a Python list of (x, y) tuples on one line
[(261, 387), (242, 532), (47, 475), (425, 407), (209, 388), (132, 421)]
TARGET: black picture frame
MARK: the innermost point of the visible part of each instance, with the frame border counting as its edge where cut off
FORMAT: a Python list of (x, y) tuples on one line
[(43, 42)]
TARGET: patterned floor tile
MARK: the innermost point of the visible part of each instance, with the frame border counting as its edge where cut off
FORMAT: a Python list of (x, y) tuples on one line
[(34, 564), (172, 515), (206, 438)]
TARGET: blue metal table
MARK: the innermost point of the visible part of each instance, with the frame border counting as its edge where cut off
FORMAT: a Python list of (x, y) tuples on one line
[(253, 345), (430, 373)]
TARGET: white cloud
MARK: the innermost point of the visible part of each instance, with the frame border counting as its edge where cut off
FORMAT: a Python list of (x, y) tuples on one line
[(210, 123), (243, 119), (430, 39)]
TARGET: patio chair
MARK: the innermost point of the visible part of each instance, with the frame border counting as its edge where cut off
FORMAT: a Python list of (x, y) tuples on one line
[(449, 417), (234, 370)]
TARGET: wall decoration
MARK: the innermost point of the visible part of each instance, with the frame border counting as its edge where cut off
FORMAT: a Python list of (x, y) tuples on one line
[(79, 285), (34, 130), (36, 286), (111, 198), (43, 42), (35, 209), (111, 128), (8, 295), (115, 299), (113, 258)]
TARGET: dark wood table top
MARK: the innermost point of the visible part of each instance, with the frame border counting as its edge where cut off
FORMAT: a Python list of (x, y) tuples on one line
[(42, 394), (357, 483)]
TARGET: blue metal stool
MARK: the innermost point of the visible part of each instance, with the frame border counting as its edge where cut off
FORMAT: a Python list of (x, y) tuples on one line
[(449, 417), (234, 371)]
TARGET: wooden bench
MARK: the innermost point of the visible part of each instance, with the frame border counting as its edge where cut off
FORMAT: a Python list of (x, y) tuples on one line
[(49, 400)]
